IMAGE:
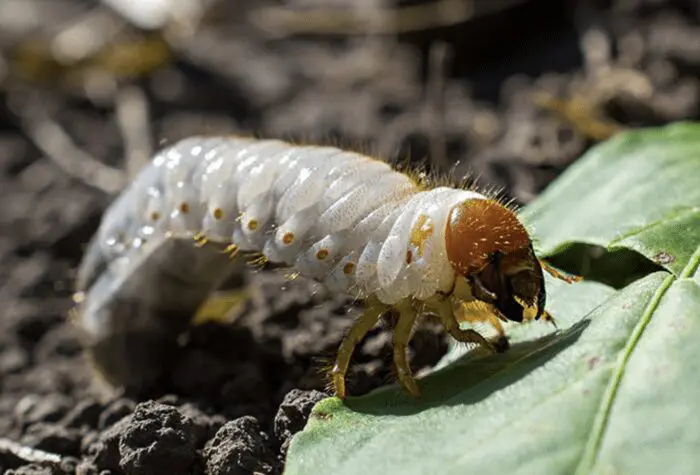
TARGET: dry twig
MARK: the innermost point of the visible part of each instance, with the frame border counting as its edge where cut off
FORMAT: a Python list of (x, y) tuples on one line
[(28, 454), (53, 141), (285, 21)]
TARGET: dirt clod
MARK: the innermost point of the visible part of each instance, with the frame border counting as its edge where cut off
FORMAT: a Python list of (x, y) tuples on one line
[(158, 438), (239, 447), (293, 413), (103, 451)]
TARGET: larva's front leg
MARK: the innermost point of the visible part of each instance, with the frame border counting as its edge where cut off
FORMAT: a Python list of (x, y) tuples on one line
[(402, 335), (464, 312), (445, 312), (373, 311)]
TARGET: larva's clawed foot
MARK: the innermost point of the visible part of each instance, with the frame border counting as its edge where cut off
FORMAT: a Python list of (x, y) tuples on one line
[(338, 380), (408, 382), (472, 336), (357, 332), (464, 313), (502, 344), (446, 313)]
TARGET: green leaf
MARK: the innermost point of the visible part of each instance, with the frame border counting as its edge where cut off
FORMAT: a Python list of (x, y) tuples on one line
[(653, 241), (614, 390), (639, 190)]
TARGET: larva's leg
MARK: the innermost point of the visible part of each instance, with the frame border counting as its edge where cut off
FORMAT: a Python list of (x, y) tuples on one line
[(357, 332), (462, 315), (200, 240), (232, 250), (447, 316), (402, 335)]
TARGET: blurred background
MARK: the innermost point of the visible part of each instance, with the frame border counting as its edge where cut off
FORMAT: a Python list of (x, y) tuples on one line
[(509, 92)]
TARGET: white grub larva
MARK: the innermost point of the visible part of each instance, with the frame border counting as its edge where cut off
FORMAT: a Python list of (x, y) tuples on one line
[(344, 219)]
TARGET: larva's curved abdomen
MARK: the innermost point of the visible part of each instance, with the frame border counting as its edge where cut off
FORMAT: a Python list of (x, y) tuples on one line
[(284, 200), (342, 218)]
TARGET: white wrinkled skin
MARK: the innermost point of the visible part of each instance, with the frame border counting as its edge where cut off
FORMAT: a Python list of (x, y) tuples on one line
[(358, 211)]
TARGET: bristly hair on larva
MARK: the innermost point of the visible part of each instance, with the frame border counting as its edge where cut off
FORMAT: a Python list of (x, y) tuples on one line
[(407, 243)]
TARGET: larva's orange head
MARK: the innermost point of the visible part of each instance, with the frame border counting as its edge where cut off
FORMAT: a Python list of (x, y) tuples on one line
[(487, 244)]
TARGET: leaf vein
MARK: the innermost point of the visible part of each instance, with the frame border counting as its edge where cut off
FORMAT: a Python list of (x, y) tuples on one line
[(692, 266), (592, 448)]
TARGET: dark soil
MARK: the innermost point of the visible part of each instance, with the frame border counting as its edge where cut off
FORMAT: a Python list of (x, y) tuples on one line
[(460, 94)]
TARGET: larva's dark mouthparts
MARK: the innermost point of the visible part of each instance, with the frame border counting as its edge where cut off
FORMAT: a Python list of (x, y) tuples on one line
[(513, 284)]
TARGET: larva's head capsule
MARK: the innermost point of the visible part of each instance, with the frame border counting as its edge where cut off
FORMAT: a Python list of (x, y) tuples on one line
[(487, 244)]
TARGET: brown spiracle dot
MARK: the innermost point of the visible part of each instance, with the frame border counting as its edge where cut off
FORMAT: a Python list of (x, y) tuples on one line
[(252, 225), (218, 213), (155, 216), (288, 238), (322, 254), (409, 256), (349, 268), (184, 208)]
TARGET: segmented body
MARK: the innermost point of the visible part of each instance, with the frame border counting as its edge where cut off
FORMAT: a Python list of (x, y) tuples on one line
[(340, 217), (347, 220)]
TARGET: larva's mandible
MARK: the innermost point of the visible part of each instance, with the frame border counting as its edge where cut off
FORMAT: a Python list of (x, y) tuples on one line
[(347, 220)]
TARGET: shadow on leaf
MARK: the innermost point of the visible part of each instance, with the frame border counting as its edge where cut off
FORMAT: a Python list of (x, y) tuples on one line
[(616, 268), (473, 377)]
